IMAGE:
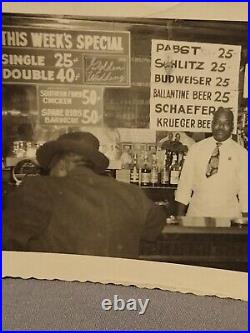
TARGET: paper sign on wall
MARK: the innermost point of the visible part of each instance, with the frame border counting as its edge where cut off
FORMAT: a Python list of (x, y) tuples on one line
[(189, 81), (70, 106)]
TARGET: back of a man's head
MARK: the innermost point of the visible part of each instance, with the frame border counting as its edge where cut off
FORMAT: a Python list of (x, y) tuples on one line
[(70, 150)]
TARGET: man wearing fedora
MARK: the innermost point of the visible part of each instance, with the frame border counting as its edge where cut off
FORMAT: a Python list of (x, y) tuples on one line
[(77, 209)]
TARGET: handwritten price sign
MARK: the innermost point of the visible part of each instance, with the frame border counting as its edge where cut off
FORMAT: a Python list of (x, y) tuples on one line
[(189, 81), (68, 106)]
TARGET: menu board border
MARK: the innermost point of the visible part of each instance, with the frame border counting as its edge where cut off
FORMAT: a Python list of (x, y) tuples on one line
[(127, 84)]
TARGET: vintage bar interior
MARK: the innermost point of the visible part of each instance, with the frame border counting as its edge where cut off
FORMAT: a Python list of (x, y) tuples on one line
[(147, 88)]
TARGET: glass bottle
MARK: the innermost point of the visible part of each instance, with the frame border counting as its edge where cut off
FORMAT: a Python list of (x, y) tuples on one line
[(145, 172), (165, 172), (174, 170), (134, 172), (154, 178)]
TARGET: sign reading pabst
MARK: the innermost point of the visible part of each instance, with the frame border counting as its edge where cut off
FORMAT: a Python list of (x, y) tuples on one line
[(189, 81)]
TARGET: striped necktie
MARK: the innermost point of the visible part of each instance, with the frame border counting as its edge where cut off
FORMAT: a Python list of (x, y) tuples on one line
[(213, 163)]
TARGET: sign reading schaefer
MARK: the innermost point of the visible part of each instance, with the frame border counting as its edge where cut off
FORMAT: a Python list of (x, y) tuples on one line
[(189, 81), (70, 106)]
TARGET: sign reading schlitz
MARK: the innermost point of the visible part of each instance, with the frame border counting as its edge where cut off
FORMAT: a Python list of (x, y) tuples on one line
[(189, 81)]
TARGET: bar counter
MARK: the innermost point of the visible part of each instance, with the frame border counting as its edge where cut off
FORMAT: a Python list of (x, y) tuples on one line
[(217, 243)]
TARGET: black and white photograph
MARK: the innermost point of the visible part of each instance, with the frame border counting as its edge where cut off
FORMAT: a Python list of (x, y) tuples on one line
[(126, 137)]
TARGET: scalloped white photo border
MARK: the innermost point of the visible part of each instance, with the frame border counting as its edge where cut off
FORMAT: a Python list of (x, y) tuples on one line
[(174, 277)]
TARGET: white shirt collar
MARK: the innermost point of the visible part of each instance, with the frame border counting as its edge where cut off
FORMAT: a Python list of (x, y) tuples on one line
[(226, 142)]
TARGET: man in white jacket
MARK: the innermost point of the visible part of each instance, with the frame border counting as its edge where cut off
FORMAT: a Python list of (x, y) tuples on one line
[(214, 179)]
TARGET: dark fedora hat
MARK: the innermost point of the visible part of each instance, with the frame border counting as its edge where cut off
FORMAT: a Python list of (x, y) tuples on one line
[(81, 143)]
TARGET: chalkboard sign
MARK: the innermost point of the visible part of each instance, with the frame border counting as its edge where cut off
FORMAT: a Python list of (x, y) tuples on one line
[(36, 55), (140, 71), (127, 108), (71, 106)]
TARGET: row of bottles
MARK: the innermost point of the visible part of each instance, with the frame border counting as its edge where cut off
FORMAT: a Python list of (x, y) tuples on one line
[(154, 175), (24, 149), (129, 149)]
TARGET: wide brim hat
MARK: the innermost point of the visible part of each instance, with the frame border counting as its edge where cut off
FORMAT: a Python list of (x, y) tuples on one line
[(81, 143)]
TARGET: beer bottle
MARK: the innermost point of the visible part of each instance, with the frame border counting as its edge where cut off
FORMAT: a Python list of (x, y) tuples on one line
[(134, 172), (165, 172), (145, 172), (174, 170), (154, 171)]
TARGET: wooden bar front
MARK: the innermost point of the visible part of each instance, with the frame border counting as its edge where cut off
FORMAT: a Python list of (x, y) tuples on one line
[(217, 247)]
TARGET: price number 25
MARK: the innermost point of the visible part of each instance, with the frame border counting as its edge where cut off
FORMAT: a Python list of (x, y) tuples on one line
[(223, 53)]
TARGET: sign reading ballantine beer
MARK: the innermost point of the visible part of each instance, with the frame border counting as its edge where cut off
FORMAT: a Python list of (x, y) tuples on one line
[(189, 81), (36, 55)]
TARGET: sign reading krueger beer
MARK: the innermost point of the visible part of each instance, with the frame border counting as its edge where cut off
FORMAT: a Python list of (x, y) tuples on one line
[(189, 81), (36, 55), (70, 106)]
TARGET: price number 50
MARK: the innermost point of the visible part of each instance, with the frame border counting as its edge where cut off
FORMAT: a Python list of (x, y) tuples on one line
[(89, 97), (89, 100), (89, 117)]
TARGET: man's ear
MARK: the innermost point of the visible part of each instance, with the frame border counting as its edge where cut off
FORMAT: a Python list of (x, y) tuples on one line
[(232, 127), (61, 165)]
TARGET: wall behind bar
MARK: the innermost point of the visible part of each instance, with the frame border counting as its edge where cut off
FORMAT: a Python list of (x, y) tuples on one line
[(237, 11), (118, 107)]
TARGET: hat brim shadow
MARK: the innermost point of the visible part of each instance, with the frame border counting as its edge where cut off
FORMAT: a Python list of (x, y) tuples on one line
[(50, 149)]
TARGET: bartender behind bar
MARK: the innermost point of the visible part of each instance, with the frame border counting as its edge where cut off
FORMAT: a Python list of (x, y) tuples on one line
[(214, 179)]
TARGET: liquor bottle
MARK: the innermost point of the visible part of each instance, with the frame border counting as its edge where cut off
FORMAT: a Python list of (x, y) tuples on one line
[(154, 178), (139, 183), (158, 153), (134, 172), (165, 172), (145, 172), (174, 170)]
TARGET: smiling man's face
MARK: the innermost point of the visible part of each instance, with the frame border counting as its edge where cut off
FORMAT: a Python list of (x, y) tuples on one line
[(222, 125)]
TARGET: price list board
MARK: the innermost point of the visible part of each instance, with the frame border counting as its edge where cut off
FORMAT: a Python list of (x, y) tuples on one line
[(68, 68), (190, 81), (35, 55), (70, 106)]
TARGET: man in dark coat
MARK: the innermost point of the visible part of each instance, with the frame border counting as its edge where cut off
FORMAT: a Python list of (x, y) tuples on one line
[(76, 208)]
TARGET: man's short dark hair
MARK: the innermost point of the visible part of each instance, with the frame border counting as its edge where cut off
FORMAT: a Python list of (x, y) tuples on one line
[(227, 111)]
